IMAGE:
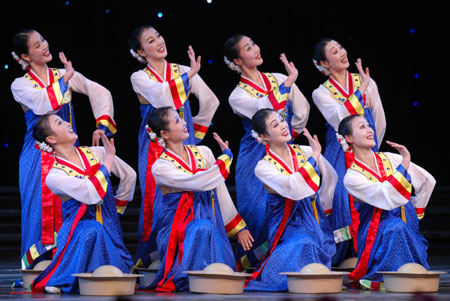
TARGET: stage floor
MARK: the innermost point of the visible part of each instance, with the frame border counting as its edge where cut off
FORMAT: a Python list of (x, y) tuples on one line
[(8, 273)]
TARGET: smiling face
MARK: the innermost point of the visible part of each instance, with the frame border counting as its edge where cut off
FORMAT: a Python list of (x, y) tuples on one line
[(249, 54), (176, 129), (336, 57), (62, 132), (153, 46), (362, 135), (277, 130), (38, 50)]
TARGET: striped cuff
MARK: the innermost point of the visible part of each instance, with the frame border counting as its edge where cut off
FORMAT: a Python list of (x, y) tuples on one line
[(294, 134), (200, 131), (121, 206), (106, 124), (224, 163), (236, 225), (420, 212), (100, 181), (179, 88)]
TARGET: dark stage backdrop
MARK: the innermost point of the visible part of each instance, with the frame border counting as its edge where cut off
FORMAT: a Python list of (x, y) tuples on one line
[(402, 43)]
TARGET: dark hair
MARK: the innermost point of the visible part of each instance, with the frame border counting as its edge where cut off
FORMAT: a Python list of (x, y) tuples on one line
[(259, 120), (134, 41), (319, 50), (20, 41), (42, 129), (158, 120), (230, 48), (345, 126)]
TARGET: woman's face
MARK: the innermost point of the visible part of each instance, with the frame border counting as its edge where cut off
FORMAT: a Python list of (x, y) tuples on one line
[(277, 130), (38, 51), (153, 46), (62, 131), (176, 130), (362, 134), (336, 57), (249, 53)]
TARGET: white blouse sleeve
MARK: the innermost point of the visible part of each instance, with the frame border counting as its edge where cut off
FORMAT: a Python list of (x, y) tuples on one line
[(67, 187), (33, 99), (422, 181), (293, 186), (166, 174), (245, 105), (383, 195)]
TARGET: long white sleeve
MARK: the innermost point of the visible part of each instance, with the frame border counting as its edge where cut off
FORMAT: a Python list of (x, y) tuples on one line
[(166, 174), (208, 102), (30, 98), (422, 181)]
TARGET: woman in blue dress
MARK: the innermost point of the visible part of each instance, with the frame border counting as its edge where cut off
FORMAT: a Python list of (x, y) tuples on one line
[(161, 84), (344, 94), (381, 183), (42, 90), (300, 184), (198, 212), (257, 90), (90, 235)]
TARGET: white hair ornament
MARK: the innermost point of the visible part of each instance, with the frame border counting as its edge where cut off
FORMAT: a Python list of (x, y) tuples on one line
[(153, 137), (137, 56), (258, 138), (321, 68), (43, 146), (232, 65), (22, 62), (343, 142)]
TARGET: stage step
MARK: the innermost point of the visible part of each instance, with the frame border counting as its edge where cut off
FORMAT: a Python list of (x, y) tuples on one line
[(433, 226)]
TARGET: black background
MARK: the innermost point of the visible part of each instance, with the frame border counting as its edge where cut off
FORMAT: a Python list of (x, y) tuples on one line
[(408, 66)]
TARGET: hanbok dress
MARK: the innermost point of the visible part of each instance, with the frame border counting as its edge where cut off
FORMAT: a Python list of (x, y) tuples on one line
[(173, 89)]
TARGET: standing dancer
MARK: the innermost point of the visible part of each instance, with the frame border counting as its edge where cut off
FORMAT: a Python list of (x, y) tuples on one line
[(344, 94), (90, 235), (388, 234), (199, 213), (161, 84), (39, 91), (257, 90)]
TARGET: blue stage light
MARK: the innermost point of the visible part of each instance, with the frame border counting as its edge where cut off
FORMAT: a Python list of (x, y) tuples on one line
[(6, 144), (107, 11), (415, 103), (6, 66), (160, 14), (416, 75), (411, 30), (210, 62), (67, 2)]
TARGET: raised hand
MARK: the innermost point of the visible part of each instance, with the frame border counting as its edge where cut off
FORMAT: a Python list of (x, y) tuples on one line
[(314, 143), (68, 66), (290, 69), (223, 145), (96, 137), (403, 151), (365, 76), (195, 63), (245, 239)]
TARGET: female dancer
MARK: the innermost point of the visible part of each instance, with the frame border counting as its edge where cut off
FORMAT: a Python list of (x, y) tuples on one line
[(199, 213), (90, 235), (388, 234), (299, 231), (161, 84), (344, 94), (258, 90), (39, 91)]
